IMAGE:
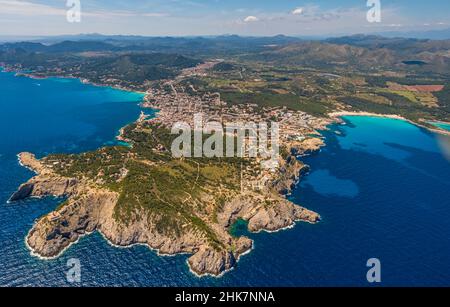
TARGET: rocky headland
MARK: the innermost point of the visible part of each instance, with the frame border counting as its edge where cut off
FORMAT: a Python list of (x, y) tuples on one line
[(91, 206), (140, 194)]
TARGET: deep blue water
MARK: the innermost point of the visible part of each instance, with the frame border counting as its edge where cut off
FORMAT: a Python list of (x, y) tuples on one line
[(382, 187)]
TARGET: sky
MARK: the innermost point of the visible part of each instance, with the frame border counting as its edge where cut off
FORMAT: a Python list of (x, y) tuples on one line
[(218, 17)]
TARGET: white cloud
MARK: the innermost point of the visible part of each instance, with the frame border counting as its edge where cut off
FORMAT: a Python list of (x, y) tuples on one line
[(112, 14), (16, 7), (155, 14), (395, 25), (298, 11), (33, 17), (26, 8), (251, 19)]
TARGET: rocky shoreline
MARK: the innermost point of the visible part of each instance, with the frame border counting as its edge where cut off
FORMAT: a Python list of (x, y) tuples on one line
[(90, 208)]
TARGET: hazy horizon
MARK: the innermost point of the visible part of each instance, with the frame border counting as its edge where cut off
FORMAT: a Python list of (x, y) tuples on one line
[(433, 35), (317, 18)]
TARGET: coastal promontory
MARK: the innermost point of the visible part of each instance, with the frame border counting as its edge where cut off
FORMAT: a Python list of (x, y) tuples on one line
[(139, 194)]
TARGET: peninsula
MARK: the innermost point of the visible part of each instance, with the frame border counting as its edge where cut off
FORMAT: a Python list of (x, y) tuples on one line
[(141, 194)]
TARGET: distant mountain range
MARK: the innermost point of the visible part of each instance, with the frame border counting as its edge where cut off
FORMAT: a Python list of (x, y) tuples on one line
[(360, 52), (441, 34), (219, 45), (432, 34)]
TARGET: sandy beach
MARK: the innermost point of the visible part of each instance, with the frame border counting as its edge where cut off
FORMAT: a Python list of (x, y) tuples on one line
[(393, 116)]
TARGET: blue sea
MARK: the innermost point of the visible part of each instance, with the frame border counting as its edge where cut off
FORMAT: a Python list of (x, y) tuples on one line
[(382, 187)]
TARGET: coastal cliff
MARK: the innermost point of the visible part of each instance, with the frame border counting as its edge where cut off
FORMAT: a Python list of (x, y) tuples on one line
[(195, 219)]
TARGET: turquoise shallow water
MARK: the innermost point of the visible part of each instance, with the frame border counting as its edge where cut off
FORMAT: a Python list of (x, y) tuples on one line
[(444, 126), (382, 187)]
